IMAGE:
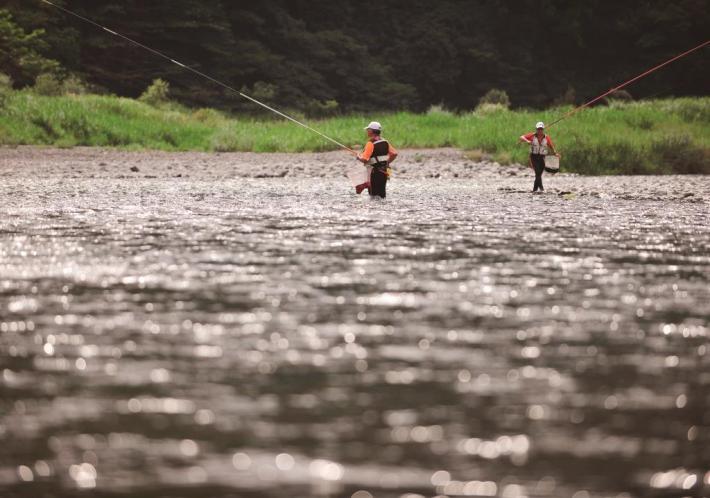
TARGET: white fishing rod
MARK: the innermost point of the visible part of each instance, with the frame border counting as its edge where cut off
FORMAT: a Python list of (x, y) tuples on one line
[(203, 75)]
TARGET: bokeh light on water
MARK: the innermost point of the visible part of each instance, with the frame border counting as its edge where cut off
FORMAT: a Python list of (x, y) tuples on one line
[(261, 339)]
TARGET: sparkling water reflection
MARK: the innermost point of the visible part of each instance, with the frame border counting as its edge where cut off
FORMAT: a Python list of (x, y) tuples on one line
[(255, 338)]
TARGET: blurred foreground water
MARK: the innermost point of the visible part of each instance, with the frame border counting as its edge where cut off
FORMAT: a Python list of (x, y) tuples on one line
[(262, 338)]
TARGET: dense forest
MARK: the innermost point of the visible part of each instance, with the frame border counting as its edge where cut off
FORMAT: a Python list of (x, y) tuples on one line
[(326, 55)]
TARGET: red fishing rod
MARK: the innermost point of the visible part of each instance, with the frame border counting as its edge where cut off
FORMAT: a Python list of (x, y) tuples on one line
[(627, 83)]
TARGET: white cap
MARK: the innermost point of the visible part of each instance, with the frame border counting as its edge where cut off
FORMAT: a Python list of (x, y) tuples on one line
[(374, 126), (540, 124)]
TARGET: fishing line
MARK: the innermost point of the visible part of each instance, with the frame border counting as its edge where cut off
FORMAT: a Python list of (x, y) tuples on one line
[(627, 83), (203, 75)]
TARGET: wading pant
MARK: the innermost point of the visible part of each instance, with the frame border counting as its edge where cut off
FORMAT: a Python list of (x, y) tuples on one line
[(378, 183), (538, 164)]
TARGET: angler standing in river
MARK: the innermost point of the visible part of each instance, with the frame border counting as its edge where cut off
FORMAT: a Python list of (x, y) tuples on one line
[(378, 154), (540, 146)]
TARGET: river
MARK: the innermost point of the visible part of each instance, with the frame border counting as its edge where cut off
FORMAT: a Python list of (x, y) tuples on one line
[(259, 337)]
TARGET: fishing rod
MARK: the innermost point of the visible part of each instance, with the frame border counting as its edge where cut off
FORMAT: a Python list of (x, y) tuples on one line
[(627, 83), (203, 75)]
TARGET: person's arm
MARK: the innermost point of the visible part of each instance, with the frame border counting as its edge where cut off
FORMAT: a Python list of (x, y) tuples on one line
[(393, 154), (552, 147), (367, 153), (526, 138)]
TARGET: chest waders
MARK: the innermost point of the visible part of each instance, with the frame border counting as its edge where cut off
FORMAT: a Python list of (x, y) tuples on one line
[(380, 165)]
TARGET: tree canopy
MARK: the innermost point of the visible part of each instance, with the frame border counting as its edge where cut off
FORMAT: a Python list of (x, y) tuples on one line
[(320, 55)]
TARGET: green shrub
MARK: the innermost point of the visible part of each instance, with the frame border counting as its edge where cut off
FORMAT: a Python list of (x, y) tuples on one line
[(78, 126), (691, 110), (608, 159), (48, 85), (640, 122), (207, 115), (229, 140), (617, 99), (5, 82), (439, 110), (6, 137), (48, 128), (73, 85), (264, 92), (488, 109), (294, 113), (158, 93), (320, 109), (495, 96), (5, 89), (622, 95), (679, 154), (66, 143)]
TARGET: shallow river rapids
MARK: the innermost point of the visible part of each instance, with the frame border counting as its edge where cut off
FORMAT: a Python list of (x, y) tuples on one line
[(268, 338)]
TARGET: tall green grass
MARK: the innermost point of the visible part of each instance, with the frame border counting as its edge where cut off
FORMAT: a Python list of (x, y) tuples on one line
[(650, 137)]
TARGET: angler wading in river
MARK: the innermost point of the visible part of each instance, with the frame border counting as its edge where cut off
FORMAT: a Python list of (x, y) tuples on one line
[(540, 146), (377, 155)]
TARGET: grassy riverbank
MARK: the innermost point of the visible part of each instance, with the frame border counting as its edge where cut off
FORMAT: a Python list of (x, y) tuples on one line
[(663, 136)]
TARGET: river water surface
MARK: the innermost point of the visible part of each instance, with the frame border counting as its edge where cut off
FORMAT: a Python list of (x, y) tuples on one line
[(262, 338)]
